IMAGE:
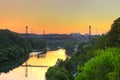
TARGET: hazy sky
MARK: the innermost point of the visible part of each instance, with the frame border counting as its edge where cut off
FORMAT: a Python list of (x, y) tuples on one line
[(58, 16)]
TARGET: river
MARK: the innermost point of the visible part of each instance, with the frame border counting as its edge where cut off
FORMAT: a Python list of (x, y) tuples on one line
[(35, 73)]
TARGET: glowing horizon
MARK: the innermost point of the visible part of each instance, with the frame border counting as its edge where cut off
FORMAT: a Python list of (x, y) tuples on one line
[(58, 16)]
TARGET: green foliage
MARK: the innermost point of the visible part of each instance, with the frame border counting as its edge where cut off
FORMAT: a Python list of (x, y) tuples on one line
[(67, 66), (38, 44), (114, 34), (70, 64), (85, 52), (97, 61), (101, 42), (69, 46), (111, 39), (57, 73), (14, 50), (105, 66)]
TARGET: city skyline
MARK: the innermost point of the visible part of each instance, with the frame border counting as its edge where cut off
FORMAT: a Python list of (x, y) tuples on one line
[(58, 16)]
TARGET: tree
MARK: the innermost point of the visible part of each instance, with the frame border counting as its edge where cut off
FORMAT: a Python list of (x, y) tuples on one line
[(111, 39), (114, 34), (38, 44), (105, 66), (14, 50), (57, 73)]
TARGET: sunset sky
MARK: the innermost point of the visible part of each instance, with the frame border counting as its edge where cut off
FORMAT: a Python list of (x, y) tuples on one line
[(58, 16)]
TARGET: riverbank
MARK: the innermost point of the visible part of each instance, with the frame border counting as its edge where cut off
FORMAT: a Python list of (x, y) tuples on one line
[(35, 73), (14, 50)]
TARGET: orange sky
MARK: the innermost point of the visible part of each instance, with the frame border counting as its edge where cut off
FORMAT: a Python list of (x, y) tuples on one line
[(58, 16)]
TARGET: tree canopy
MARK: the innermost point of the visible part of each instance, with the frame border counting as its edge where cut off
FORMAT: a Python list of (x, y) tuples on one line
[(98, 60), (14, 50), (57, 73), (105, 66)]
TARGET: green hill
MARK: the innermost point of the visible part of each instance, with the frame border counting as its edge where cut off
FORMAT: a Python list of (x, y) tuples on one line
[(14, 50)]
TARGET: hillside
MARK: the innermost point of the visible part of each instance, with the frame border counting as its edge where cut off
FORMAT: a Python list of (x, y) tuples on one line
[(14, 50)]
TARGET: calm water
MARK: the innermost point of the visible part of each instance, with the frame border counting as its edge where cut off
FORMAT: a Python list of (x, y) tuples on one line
[(35, 73)]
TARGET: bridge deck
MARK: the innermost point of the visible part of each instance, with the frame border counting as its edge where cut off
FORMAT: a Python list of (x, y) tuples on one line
[(33, 66)]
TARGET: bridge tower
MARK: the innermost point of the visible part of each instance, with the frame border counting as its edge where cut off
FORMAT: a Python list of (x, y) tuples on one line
[(89, 32), (26, 68), (43, 32), (26, 30)]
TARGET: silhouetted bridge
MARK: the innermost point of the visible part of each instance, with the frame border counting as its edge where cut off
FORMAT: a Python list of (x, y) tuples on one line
[(33, 66)]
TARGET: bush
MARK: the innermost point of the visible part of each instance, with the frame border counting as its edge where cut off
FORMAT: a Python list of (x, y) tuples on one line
[(57, 73)]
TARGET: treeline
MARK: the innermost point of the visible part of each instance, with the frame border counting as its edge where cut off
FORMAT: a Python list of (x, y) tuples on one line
[(97, 60), (68, 68), (68, 45), (62, 43), (37, 44), (14, 49)]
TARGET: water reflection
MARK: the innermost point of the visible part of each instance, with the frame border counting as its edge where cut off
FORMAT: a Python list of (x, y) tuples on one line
[(35, 73)]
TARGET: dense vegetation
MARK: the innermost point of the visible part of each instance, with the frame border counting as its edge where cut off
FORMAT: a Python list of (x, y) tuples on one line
[(37, 44), (69, 47), (104, 66), (97, 60), (59, 74), (14, 50), (62, 43), (105, 63), (70, 64)]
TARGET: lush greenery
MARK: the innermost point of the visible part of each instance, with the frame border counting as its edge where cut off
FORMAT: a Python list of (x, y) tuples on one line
[(104, 66), (105, 63), (70, 64), (69, 47), (14, 50), (62, 43), (59, 73), (96, 60), (38, 44)]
